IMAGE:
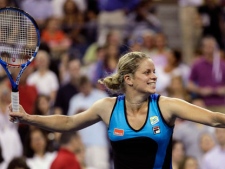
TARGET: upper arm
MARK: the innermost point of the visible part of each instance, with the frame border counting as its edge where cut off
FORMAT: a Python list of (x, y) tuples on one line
[(100, 110), (172, 108)]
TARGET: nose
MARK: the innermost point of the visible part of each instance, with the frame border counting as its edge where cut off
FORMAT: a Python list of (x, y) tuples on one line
[(153, 76)]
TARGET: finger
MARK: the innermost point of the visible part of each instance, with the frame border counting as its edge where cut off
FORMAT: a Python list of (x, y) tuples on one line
[(10, 107), (14, 119), (15, 114)]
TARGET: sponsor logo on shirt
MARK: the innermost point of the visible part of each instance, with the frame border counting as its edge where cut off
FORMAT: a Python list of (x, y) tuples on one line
[(118, 132), (154, 120), (156, 130)]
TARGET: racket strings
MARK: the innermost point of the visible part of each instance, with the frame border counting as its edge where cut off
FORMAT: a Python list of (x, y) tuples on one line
[(18, 37)]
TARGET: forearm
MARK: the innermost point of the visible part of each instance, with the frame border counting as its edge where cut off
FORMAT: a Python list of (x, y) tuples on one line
[(57, 123)]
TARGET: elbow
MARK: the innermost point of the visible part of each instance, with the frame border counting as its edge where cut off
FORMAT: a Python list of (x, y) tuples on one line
[(66, 125)]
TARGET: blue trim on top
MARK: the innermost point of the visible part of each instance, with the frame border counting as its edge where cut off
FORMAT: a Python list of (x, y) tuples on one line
[(125, 114), (165, 122)]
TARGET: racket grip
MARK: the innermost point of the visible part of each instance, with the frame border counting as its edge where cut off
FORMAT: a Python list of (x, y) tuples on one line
[(15, 103)]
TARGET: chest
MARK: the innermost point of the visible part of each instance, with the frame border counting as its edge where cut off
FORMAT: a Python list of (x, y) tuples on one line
[(136, 121), (149, 124)]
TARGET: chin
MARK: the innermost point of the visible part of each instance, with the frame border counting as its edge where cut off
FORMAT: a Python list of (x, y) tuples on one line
[(151, 91)]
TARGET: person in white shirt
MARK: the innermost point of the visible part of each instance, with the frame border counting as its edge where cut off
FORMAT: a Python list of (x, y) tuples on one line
[(214, 159), (36, 150), (44, 79), (93, 137), (9, 136)]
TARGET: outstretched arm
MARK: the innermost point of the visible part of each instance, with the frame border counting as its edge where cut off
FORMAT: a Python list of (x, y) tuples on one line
[(61, 123), (172, 108)]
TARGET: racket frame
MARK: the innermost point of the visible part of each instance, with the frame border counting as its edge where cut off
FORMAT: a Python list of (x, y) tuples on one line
[(23, 66), (5, 65)]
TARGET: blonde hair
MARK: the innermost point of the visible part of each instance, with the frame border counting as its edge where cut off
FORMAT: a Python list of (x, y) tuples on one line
[(127, 64)]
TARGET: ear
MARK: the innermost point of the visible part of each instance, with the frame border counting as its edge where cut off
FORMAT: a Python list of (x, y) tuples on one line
[(128, 79)]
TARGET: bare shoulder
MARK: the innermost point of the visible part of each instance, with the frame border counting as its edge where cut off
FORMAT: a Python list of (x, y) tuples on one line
[(105, 103), (164, 102), (169, 102), (168, 106), (104, 108)]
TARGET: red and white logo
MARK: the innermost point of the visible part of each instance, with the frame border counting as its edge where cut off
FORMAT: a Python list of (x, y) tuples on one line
[(118, 132), (156, 130)]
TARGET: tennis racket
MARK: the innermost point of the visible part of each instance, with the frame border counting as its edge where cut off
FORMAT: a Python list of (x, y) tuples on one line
[(19, 44)]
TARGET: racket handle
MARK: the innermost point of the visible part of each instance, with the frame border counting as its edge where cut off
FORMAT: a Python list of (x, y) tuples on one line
[(15, 103)]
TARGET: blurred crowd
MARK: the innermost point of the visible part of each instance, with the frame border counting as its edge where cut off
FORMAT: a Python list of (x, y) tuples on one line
[(81, 42)]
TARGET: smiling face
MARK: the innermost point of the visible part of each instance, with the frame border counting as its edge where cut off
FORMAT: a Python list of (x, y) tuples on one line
[(144, 79)]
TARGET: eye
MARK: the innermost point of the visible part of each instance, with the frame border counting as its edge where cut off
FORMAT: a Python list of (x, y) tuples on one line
[(147, 72)]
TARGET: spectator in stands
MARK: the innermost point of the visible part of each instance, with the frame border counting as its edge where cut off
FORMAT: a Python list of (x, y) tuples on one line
[(189, 163), (112, 38), (108, 64), (18, 163), (143, 18), (73, 24), (215, 157), (177, 89), (178, 153), (206, 142), (189, 23), (91, 23), (64, 76), (43, 78), (93, 137), (160, 51), (112, 16), (9, 136), (66, 91), (73, 20), (135, 43), (55, 37), (36, 150), (40, 10), (80, 154), (90, 68), (212, 19), (66, 157), (42, 105), (173, 68), (148, 41), (207, 77), (58, 6)]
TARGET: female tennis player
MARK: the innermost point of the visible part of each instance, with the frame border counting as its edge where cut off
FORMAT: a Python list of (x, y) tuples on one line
[(140, 122)]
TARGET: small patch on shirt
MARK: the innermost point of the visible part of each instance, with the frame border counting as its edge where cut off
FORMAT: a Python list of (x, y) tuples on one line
[(156, 130), (154, 120), (118, 132)]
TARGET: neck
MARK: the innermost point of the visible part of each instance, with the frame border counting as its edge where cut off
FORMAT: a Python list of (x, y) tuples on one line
[(40, 154), (42, 71), (209, 58), (135, 103)]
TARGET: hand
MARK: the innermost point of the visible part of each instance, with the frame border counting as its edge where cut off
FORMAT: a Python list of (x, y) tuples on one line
[(20, 116), (205, 91), (220, 91)]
